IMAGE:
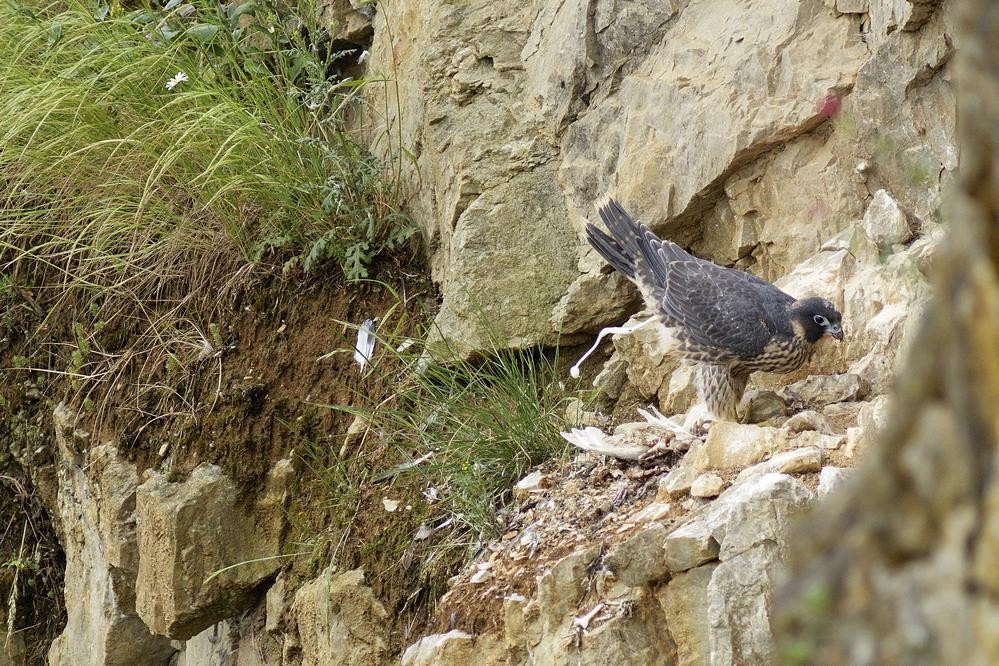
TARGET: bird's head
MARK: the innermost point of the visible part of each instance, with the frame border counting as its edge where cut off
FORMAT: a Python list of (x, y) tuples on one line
[(818, 317)]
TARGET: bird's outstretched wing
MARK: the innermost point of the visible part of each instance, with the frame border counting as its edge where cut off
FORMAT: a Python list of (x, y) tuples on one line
[(721, 309)]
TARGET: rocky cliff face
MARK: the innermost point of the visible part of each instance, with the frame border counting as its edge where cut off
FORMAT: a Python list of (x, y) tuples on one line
[(808, 141), (755, 130)]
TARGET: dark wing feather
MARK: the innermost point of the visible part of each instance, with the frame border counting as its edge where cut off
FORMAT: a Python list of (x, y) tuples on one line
[(720, 308)]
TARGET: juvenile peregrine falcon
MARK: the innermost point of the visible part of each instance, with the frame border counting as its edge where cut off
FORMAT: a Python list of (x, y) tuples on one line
[(729, 322)]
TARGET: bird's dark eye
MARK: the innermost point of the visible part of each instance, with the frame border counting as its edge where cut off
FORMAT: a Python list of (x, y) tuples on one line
[(820, 320)]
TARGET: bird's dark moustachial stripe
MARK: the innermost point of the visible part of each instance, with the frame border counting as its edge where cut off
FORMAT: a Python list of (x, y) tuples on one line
[(730, 322)]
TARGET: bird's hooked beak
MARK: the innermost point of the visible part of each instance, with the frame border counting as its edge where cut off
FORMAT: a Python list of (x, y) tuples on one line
[(835, 331)]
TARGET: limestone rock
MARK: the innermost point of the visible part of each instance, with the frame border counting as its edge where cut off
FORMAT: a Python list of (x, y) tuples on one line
[(536, 258), (276, 604), (188, 531), (740, 607), (707, 485), (870, 419), (677, 482), (685, 602), (885, 222), (612, 379), (753, 510), (763, 405), (642, 141), (482, 170), (552, 613), (96, 505), (808, 420), (576, 414), (356, 432), (452, 648), (841, 415), (647, 352), (821, 441), (886, 302), (690, 546), (798, 461), (856, 242), (721, 612), (906, 86), (888, 16), (680, 392), (851, 6), (234, 642), (347, 20), (734, 445), (638, 634), (340, 622), (641, 559), (831, 478), (820, 390)]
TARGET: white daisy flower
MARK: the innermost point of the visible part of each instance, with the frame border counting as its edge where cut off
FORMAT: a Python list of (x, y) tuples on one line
[(177, 79)]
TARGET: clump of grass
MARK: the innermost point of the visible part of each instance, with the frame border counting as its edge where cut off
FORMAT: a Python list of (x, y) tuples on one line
[(485, 423), (119, 183), (149, 205), (478, 424)]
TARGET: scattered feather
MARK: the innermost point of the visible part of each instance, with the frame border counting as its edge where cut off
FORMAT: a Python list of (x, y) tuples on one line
[(390, 505), (480, 577), (597, 441), (365, 346), (657, 418), (398, 469)]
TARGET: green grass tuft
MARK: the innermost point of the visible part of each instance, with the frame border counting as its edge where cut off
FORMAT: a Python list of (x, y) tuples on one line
[(116, 184), (480, 423), (144, 207)]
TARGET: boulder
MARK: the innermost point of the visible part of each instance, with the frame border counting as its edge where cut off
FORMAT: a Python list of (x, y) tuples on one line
[(707, 485), (202, 553), (339, 621), (450, 649), (641, 559), (798, 461), (735, 445)]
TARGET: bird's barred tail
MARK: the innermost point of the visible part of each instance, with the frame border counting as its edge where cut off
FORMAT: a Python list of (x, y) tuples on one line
[(620, 249), (612, 253)]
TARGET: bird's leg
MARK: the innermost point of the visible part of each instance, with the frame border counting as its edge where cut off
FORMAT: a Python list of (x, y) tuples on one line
[(701, 427)]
